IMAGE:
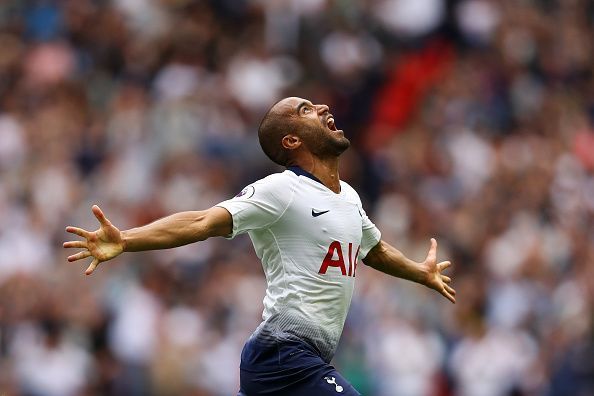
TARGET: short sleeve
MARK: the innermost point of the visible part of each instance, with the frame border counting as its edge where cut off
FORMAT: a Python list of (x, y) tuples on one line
[(370, 237), (259, 205)]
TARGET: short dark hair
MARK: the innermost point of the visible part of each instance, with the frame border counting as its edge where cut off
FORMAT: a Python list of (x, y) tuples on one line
[(270, 133)]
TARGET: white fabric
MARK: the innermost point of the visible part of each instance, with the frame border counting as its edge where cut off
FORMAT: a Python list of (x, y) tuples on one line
[(303, 298)]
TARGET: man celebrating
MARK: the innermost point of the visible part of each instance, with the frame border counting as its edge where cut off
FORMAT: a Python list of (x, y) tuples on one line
[(309, 229)]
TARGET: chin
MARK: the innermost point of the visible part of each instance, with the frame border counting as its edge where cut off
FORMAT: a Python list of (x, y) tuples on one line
[(326, 143), (342, 140), (340, 145)]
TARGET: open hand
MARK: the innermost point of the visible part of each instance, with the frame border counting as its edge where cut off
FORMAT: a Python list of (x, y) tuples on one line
[(435, 279), (103, 244)]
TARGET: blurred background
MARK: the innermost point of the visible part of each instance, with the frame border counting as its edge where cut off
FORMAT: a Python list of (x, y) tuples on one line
[(471, 121)]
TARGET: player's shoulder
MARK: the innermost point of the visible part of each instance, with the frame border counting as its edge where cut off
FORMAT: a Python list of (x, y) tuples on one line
[(281, 183), (279, 179)]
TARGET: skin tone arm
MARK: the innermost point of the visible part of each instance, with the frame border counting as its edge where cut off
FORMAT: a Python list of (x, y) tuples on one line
[(389, 260), (184, 228), (172, 231)]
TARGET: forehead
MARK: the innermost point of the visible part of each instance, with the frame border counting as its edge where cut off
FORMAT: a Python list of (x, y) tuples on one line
[(289, 105)]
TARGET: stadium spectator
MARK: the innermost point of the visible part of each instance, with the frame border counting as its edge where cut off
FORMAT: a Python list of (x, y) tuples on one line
[(471, 120)]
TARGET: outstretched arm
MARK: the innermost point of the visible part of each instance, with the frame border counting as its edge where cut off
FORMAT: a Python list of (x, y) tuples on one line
[(172, 231), (387, 259)]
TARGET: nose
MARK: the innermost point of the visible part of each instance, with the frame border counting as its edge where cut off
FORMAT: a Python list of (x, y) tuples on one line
[(322, 108)]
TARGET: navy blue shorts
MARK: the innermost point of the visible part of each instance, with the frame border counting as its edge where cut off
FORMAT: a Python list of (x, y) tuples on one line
[(288, 368)]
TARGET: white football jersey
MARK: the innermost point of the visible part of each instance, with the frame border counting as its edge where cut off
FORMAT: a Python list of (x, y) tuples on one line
[(309, 240)]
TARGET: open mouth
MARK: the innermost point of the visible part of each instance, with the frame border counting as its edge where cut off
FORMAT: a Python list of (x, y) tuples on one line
[(330, 123)]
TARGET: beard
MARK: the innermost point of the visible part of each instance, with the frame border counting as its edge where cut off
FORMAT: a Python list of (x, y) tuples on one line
[(324, 143)]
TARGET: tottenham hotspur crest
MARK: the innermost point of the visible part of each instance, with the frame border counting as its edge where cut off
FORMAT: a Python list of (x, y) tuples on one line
[(332, 381), (247, 192)]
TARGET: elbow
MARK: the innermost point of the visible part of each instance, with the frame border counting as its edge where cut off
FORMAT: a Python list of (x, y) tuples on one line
[(376, 255), (382, 247), (212, 223), (199, 227)]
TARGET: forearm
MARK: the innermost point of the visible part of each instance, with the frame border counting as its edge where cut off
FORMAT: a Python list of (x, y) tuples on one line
[(172, 231), (389, 260)]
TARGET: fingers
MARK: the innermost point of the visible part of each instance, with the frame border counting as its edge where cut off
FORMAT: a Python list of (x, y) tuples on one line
[(83, 244), (447, 295), (100, 216), (75, 244), (446, 290), (449, 290), (443, 265), (79, 255), (78, 231), (92, 267)]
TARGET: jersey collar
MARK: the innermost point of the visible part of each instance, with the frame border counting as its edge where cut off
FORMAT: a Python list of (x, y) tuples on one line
[(300, 172)]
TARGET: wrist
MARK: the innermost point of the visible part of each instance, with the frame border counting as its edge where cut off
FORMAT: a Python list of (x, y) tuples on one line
[(124, 240), (423, 274)]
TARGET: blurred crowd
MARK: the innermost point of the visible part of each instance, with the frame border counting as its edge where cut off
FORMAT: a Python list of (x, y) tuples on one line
[(470, 120)]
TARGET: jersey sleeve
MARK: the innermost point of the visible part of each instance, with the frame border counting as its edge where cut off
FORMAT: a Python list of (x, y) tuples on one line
[(258, 205), (371, 235)]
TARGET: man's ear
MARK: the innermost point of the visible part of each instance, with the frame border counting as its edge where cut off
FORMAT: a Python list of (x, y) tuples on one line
[(291, 142)]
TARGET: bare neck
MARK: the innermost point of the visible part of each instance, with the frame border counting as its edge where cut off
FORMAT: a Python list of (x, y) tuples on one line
[(326, 170)]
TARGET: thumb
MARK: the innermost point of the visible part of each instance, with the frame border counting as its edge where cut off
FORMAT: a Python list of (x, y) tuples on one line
[(431, 255), (100, 216)]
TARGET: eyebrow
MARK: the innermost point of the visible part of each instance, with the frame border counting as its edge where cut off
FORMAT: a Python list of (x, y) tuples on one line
[(304, 103)]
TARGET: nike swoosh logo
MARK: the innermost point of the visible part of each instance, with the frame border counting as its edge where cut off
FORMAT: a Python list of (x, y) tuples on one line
[(316, 214)]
